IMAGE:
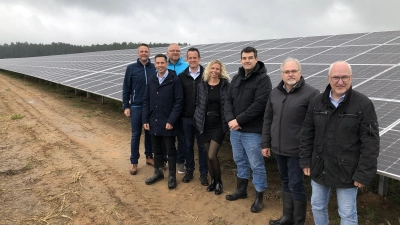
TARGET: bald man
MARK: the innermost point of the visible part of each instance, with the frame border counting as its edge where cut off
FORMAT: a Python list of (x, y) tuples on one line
[(339, 145), (177, 64)]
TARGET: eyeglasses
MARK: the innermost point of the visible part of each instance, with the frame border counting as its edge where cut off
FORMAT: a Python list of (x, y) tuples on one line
[(290, 71), (174, 51), (344, 78)]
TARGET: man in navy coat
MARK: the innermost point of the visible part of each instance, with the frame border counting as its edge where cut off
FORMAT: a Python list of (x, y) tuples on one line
[(162, 106)]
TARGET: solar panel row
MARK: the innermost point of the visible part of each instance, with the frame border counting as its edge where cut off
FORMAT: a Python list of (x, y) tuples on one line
[(375, 60)]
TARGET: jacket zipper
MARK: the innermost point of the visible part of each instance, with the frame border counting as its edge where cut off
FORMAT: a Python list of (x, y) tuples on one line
[(205, 110), (280, 124)]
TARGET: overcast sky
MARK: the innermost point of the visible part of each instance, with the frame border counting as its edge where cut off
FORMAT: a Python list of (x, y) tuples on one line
[(86, 22)]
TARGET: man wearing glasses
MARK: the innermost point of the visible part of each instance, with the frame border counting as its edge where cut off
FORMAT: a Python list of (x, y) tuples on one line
[(339, 145), (283, 119), (177, 64)]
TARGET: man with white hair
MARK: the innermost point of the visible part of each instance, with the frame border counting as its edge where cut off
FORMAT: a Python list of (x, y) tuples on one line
[(283, 119), (339, 145)]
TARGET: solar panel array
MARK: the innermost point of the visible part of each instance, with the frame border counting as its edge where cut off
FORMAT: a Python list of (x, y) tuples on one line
[(375, 60)]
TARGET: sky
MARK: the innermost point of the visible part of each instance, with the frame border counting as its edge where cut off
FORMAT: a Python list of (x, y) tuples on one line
[(86, 22)]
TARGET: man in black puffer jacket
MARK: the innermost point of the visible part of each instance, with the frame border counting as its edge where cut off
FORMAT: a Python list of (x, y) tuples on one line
[(283, 120), (244, 110), (339, 145), (191, 77)]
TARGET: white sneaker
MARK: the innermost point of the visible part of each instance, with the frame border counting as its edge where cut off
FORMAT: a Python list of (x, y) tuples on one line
[(181, 168)]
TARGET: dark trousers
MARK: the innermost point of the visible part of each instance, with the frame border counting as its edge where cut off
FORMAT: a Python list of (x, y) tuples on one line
[(189, 133), (292, 176), (167, 141), (180, 155)]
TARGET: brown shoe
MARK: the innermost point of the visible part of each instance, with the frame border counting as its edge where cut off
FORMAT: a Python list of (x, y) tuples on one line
[(133, 170), (150, 161)]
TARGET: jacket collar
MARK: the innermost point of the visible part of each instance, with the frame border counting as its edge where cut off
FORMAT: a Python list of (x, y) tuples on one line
[(298, 85), (140, 63), (258, 69), (186, 71), (180, 61), (325, 99)]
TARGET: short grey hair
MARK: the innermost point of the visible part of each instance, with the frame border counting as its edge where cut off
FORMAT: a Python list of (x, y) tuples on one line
[(291, 60), (330, 67)]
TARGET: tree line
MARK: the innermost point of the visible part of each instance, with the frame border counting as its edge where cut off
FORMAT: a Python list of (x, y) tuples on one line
[(25, 49)]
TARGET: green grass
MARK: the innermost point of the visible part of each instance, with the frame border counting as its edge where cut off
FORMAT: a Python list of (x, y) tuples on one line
[(16, 116)]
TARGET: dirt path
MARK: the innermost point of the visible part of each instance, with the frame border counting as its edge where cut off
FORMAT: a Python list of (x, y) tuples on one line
[(62, 163), (65, 160)]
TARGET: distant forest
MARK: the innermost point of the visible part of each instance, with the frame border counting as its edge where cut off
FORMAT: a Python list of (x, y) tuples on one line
[(26, 49)]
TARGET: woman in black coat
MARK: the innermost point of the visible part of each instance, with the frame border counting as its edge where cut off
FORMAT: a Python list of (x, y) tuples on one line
[(209, 117)]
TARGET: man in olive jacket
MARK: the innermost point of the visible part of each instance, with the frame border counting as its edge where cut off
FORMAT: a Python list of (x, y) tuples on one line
[(244, 111), (283, 121), (339, 145)]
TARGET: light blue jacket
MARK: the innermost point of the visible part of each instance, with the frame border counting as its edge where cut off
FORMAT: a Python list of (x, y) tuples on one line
[(179, 67)]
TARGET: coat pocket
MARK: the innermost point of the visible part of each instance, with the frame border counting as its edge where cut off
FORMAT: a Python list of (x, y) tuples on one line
[(317, 167), (347, 169)]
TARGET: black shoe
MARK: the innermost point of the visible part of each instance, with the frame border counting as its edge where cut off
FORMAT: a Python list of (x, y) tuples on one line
[(287, 217), (218, 188), (241, 190), (203, 179), (157, 176), (172, 181), (212, 185), (188, 176), (258, 202)]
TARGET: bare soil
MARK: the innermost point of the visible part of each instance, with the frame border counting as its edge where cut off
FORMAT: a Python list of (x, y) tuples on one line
[(64, 159)]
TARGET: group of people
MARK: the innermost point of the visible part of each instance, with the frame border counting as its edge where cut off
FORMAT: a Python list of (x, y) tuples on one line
[(332, 137)]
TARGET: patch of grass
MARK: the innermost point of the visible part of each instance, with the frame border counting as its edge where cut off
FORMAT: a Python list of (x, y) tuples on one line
[(8, 89), (16, 116), (76, 105)]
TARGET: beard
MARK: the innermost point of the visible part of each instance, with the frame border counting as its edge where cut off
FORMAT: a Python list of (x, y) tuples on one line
[(291, 82)]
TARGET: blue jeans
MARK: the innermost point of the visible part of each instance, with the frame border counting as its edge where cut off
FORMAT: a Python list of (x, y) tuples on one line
[(292, 176), (180, 154), (347, 202), (189, 132), (246, 148), (136, 124)]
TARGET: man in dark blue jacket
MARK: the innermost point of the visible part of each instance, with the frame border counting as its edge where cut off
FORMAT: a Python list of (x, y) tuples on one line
[(136, 77), (162, 106)]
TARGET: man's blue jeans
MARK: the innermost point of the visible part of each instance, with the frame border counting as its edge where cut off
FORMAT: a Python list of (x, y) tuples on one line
[(136, 124), (246, 149), (189, 132), (292, 176), (347, 202)]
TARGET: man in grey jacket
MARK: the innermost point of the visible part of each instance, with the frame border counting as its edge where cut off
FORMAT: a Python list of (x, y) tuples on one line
[(283, 120)]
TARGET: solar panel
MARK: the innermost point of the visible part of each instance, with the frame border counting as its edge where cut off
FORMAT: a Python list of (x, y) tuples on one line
[(374, 56)]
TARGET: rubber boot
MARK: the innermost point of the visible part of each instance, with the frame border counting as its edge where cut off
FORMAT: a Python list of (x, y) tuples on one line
[(218, 186), (258, 202), (158, 171), (241, 190), (299, 213), (172, 172), (287, 217), (211, 187)]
